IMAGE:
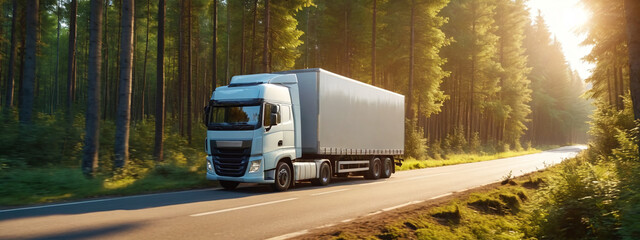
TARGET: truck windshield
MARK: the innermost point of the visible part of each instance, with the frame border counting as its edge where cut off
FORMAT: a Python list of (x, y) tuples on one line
[(234, 117)]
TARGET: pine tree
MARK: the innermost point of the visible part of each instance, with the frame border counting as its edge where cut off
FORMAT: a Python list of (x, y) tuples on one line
[(92, 136), (123, 117)]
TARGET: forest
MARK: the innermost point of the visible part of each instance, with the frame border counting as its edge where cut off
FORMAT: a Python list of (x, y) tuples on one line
[(105, 84)]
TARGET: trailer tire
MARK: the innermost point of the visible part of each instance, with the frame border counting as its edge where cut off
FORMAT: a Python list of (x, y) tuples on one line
[(387, 166), (325, 175), (283, 177), (375, 167), (229, 185)]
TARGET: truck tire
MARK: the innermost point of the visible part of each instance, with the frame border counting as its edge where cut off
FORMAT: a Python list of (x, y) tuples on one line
[(375, 167), (387, 167), (283, 177), (228, 185), (325, 175)]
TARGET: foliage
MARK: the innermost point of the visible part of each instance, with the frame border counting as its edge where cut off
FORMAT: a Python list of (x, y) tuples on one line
[(451, 159), (580, 202), (414, 144)]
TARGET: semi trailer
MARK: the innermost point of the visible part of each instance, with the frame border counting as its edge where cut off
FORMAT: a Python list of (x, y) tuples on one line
[(310, 124)]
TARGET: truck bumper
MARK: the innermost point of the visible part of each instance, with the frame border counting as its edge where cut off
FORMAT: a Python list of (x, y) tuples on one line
[(254, 177)]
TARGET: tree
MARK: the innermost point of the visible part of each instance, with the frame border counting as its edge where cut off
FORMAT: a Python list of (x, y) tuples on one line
[(29, 71), (373, 44), (123, 116), (144, 66), (12, 58), (632, 12), (265, 45), (214, 53), (410, 113), (160, 108), (92, 136), (71, 76)]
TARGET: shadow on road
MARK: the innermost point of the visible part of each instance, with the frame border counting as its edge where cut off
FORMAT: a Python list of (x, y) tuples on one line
[(91, 233), (159, 200)]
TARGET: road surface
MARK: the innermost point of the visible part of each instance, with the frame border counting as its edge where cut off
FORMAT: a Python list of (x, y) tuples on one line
[(253, 211)]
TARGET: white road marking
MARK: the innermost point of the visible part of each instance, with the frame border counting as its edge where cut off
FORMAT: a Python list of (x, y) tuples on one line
[(402, 205), (326, 226), (101, 200), (424, 176), (243, 207), (439, 196), (334, 191), (373, 213), (289, 235)]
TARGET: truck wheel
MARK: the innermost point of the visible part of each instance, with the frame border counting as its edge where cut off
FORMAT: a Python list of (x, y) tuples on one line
[(283, 177), (325, 175), (228, 185), (374, 169), (387, 166)]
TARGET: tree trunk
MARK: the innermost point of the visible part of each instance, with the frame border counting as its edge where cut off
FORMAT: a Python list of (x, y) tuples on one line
[(632, 11), (106, 60), (226, 75), (123, 116), (189, 72), (55, 82), (214, 74), (265, 47), (242, 42), (29, 72), (253, 36), (144, 67), (158, 146), (12, 58), (410, 114), (92, 136), (71, 76), (373, 45)]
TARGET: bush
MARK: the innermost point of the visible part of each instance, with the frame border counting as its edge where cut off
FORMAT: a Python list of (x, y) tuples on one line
[(414, 142), (581, 202), (456, 142)]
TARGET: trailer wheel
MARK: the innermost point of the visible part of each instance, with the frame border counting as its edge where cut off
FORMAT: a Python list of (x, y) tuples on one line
[(387, 166), (374, 169), (229, 185), (325, 175), (283, 177)]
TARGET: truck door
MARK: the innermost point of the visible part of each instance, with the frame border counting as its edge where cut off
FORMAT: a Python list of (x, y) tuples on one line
[(273, 139)]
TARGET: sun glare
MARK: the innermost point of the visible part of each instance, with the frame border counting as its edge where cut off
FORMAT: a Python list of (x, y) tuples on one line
[(574, 18), (564, 18)]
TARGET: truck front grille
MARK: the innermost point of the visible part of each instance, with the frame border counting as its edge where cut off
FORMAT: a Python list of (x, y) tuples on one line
[(230, 161)]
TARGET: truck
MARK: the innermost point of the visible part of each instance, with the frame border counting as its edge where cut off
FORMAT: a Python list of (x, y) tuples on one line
[(301, 125)]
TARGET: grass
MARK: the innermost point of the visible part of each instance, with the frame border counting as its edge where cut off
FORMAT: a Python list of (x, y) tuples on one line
[(502, 213), (23, 186), (43, 185), (452, 159)]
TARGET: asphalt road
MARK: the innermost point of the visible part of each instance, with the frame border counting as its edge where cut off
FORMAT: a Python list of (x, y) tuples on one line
[(253, 211)]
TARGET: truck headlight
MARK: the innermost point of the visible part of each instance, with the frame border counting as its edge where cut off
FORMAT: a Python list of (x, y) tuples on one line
[(209, 166), (254, 166)]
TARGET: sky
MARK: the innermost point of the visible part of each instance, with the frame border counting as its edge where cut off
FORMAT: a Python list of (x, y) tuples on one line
[(564, 17)]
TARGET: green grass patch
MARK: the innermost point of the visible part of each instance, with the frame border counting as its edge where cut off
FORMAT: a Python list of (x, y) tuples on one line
[(43, 185), (453, 159), (502, 213)]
